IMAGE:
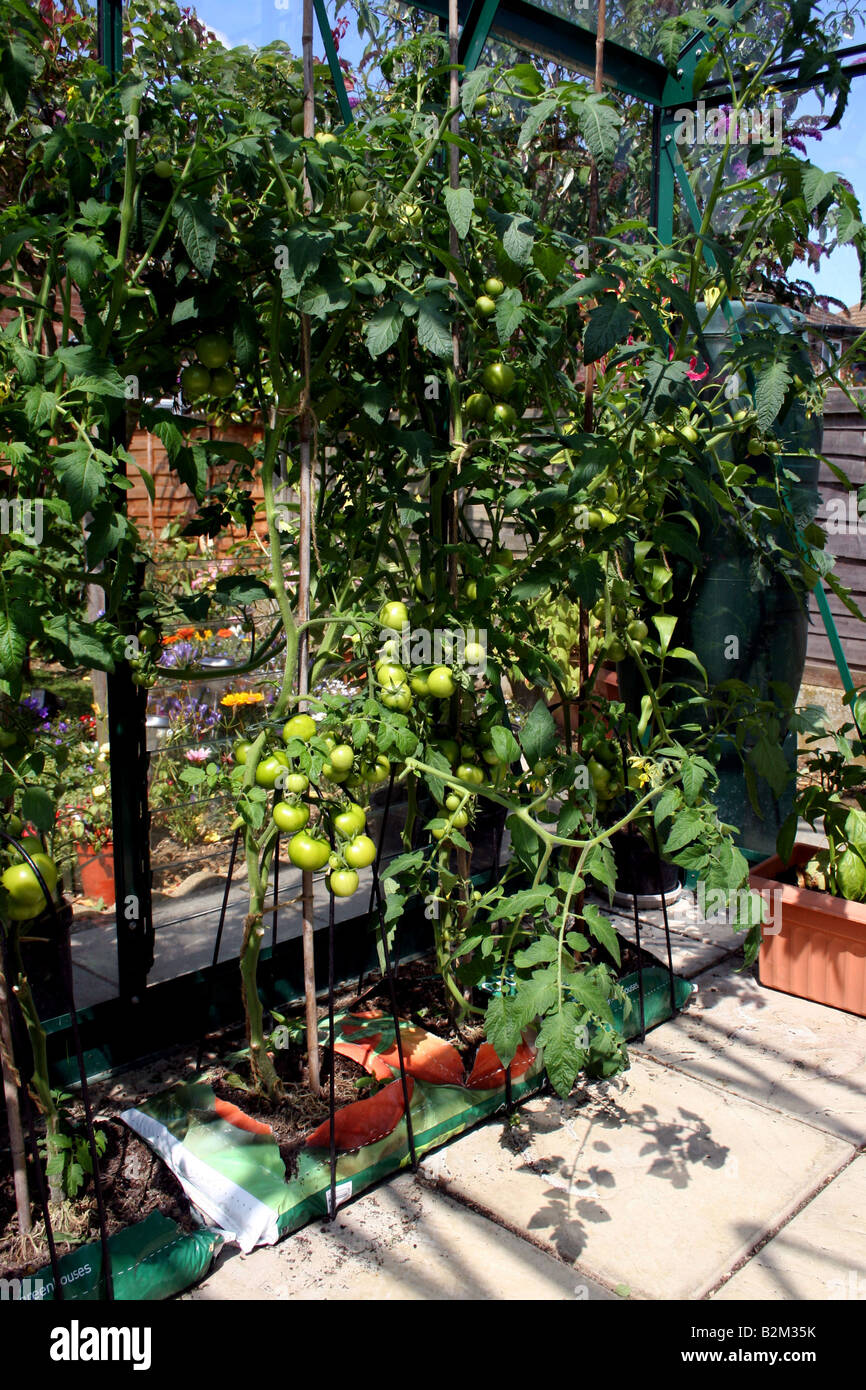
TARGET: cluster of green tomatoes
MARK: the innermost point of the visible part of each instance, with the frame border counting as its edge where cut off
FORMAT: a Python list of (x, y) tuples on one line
[(308, 847)]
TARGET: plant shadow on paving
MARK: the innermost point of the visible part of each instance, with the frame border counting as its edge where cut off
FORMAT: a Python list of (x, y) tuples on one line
[(575, 1196)]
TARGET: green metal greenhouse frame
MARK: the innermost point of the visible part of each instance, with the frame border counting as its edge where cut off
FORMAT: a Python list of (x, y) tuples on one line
[(527, 27)]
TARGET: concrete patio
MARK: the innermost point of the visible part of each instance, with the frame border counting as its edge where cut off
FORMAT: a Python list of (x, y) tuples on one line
[(727, 1163)]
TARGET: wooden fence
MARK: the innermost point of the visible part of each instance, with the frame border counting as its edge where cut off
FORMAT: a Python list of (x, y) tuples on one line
[(845, 445)]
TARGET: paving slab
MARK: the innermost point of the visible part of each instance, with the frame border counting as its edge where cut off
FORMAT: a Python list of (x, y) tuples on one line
[(696, 944), (801, 1058), (820, 1255), (653, 1180), (400, 1242)]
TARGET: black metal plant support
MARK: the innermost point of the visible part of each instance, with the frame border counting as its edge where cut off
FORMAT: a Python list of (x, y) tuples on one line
[(61, 921), (208, 1000), (640, 988)]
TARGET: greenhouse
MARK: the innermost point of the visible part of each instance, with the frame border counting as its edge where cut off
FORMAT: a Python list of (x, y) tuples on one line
[(433, 661)]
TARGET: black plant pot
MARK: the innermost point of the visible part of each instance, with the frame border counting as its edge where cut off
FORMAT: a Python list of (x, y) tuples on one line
[(639, 871)]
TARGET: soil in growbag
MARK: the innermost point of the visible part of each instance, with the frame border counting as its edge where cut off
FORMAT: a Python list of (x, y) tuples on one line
[(151, 1260), (230, 1165)]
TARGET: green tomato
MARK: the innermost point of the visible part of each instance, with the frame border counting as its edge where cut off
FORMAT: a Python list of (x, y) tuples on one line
[(213, 350), (468, 772), (400, 699), (459, 819), (499, 379), (505, 416), (477, 406), (471, 590), (296, 782), (390, 676), (485, 306), (240, 751), (503, 558), (195, 381), (440, 683), (268, 771), (474, 653), (453, 802), (450, 750), (494, 287), (755, 447), (360, 852), (350, 821), (26, 898), (419, 684), (290, 815), (638, 632), (163, 169), (394, 615), (223, 383), (343, 882), (358, 200), (342, 757), (301, 726), (380, 771), (600, 777), (307, 851)]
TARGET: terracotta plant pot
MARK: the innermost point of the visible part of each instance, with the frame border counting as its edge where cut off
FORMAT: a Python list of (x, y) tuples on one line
[(820, 951), (97, 873)]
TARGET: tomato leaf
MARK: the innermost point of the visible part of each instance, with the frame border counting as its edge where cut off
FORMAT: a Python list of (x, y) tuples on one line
[(460, 203)]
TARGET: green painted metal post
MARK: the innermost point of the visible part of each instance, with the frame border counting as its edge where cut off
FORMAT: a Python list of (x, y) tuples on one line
[(109, 38), (476, 32), (333, 61)]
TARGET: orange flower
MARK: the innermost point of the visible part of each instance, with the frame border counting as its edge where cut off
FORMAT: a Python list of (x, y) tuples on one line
[(225, 632)]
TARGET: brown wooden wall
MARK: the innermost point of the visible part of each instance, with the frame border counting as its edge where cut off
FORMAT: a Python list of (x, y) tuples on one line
[(173, 500), (845, 444)]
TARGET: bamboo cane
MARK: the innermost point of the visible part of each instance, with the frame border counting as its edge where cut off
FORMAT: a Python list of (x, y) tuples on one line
[(11, 1082), (304, 540)]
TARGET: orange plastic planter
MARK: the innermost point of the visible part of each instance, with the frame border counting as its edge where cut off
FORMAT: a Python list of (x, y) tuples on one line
[(820, 952), (97, 873)]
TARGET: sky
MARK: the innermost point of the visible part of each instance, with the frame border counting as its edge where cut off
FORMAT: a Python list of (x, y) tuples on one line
[(842, 150)]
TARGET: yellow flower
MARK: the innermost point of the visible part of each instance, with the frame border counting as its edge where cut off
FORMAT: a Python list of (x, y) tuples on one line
[(248, 697)]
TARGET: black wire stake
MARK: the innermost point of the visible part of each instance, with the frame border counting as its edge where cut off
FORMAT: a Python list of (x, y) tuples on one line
[(21, 1047), (377, 861), (636, 916), (216, 950), (61, 923), (509, 1101), (665, 916), (276, 889), (392, 989), (332, 1099)]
